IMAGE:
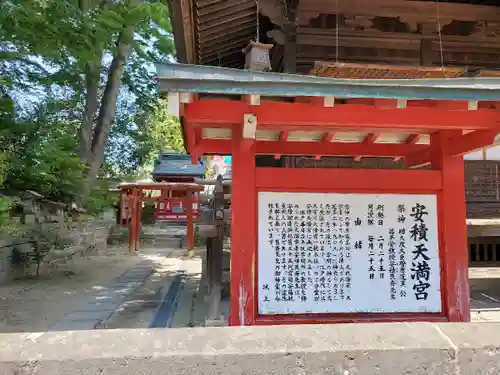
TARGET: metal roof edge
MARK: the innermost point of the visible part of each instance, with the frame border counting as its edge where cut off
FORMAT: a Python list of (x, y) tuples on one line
[(204, 79)]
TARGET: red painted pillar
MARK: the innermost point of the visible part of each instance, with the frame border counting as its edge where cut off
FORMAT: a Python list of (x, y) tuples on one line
[(453, 229), (132, 227), (243, 230), (138, 211), (122, 208), (188, 207)]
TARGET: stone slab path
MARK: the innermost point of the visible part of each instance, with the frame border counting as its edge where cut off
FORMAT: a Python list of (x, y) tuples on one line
[(101, 306)]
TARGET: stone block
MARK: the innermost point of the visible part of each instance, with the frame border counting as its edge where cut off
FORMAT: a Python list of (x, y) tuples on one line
[(351, 349), (477, 346)]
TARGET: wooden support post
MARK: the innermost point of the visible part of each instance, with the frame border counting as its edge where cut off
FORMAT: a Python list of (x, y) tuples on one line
[(132, 235), (244, 231), (290, 55), (188, 204), (453, 230), (121, 208), (138, 211)]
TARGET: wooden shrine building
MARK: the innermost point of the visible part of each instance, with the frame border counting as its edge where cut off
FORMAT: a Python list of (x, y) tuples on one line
[(408, 82), (177, 167)]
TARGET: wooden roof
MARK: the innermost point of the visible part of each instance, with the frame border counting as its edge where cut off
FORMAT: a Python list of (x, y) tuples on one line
[(399, 32), (177, 186), (213, 32), (369, 71), (305, 115), (176, 164)]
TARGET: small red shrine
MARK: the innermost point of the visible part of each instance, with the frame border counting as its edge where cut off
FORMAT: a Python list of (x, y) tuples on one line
[(134, 194), (175, 167), (341, 245)]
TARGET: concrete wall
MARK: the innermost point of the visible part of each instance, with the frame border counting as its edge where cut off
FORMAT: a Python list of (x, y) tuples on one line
[(358, 349)]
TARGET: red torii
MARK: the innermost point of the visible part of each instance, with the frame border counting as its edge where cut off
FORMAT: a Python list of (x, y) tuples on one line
[(132, 195)]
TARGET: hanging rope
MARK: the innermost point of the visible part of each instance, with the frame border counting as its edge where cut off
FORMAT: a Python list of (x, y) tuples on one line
[(439, 33), (337, 34), (257, 38)]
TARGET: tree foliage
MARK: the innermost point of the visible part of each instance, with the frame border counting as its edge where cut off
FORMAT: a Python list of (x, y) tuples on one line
[(158, 132), (42, 155), (78, 98)]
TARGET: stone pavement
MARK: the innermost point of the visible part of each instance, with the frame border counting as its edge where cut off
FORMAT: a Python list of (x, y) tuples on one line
[(101, 306), (485, 294)]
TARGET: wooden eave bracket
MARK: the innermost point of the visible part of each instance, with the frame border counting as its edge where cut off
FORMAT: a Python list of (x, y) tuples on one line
[(249, 126), (252, 99), (369, 139), (457, 146), (327, 138), (283, 139), (176, 101), (411, 140), (472, 105), (174, 104), (329, 101)]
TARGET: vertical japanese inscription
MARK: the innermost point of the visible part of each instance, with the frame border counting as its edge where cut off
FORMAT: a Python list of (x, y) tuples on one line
[(347, 253), (421, 272)]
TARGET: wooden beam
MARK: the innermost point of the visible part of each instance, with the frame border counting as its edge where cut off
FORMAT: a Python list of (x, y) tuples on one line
[(472, 105), (283, 138), (219, 146), (349, 179), (329, 101), (305, 116), (290, 48), (327, 138), (252, 99), (458, 146), (326, 37), (473, 141), (173, 104), (411, 140), (249, 126), (426, 52), (180, 18), (415, 10), (369, 139)]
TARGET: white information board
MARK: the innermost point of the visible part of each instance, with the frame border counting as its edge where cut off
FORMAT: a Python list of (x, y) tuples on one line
[(347, 253)]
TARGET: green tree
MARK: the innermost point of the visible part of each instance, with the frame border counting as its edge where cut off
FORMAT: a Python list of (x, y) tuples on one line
[(87, 49), (157, 131), (43, 153)]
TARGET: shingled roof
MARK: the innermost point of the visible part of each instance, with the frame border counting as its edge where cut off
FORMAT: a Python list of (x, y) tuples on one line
[(173, 163)]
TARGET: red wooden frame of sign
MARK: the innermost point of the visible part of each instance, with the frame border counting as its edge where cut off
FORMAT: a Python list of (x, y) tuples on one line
[(455, 128), (446, 180)]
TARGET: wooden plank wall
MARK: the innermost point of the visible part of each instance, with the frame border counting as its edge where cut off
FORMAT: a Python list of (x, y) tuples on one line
[(482, 189)]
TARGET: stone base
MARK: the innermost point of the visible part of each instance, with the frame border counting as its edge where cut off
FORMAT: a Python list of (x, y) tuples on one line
[(345, 349)]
